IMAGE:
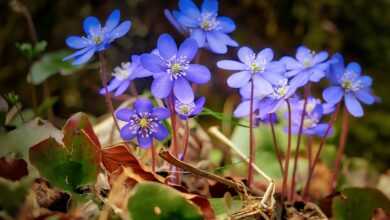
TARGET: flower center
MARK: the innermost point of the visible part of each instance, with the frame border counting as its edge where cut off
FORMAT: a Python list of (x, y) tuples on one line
[(208, 22), (309, 122), (97, 39), (184, 109), (255, 68), (177, 67), (143, 124), (349, 83), (122, 72)]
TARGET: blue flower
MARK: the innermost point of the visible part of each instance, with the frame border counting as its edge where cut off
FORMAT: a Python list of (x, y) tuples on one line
[(172, 69), (124, 74), (143, 122), (260, 68), (205, 26), (348, 83), (267, 119), (97, 38), (312, 125), (269, 104), (307, 66), (189, 110)]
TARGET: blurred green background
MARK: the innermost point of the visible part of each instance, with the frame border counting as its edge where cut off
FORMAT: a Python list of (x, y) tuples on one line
[(359, 29)]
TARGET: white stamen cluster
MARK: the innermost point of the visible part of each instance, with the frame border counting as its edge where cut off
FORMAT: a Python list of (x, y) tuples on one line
[(145, 124), (177, 67), (184, 109), (208, 21), (122, 72), (349, 82), (281, 90), (309, 122), (308, 62)]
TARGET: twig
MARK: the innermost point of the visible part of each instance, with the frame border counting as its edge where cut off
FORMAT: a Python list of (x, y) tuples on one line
[(185, 166), (214, 131)]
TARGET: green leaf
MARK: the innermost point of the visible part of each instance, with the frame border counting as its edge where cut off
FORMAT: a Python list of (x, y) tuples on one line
[(222, 208), (13, 194), (30, 51), (74, 164), (49, 65), (68, 167), (359, 203), (18, 141), (155, 201)]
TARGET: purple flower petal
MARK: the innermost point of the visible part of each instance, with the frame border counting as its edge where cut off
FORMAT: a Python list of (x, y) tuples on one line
[(300, 79), (120, 31), (114, 83), (85, 57), (365, 96), (365, 81), (354, 67), (183, 91), (240, 79), (166, 46), (112, 20), (226, 24), (144, 142), (161, 113), (174, 21), (189, 8), (242, 109), (266, 54), (161, 132), (210, 6), (274, 78), (320, 57), (76, 42), (124, 114), (128, 132), (188, 49), (186, 20), (77, 53), (91, 25), (316, 75), (333, 94), (245, 91), (303, 53), (152, 63), (231, 65), (162, 86), (246, 55), (291, 63), (261, 87), (143, 105), (198, 106), (353, 105), (199, 35), (198, 74), (122, 88), (216, 42)]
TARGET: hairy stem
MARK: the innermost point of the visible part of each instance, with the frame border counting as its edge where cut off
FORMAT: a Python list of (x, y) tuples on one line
[(107, 94), (251, 138), (186, 138), (341, 148), (306, 94), (152, 148), (276, 146), (175, 149), (287, 159), (309, 148), (317, 156)]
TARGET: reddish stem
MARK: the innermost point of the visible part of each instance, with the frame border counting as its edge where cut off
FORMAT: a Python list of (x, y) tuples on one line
[(287, 160), (309, 147), (317, 156), (107, 94), (153, 157), (174, 150), (341, 149), (276, 146), (306, 94), (251, 138), (186, 138)]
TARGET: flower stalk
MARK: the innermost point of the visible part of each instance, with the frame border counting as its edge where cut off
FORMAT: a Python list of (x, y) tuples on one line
[(276, 146), (287, 159), (252, 146), (186, 138), (174, 149)]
